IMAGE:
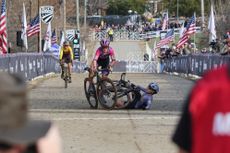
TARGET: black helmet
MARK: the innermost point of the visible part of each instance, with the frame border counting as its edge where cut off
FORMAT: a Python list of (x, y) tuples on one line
[(66, 43)]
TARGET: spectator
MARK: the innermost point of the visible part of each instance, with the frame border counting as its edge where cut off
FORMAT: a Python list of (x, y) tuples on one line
[(175, 52), (226, 49), (160, 57), (186, 49), (204, 126), (204, 50), (18, 133)]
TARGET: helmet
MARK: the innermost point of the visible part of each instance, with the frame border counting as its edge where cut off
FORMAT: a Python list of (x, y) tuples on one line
[(154, 86), (104, 43), (66, 43)]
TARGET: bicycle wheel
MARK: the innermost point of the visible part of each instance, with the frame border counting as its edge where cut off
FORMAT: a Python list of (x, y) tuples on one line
[(65, 77), (106, 93), (66, 83), (123, 100), (90, 93)]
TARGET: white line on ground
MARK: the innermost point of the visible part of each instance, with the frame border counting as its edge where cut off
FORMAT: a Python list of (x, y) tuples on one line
[(114, 118)]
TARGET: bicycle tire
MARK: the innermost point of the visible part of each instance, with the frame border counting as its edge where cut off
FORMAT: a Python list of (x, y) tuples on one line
[(92, 99), (65, 77), (136, 96), (124, 100), (105, 85), (66, 83)]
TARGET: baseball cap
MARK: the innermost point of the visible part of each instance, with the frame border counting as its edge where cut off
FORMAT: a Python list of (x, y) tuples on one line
[(15, 125)]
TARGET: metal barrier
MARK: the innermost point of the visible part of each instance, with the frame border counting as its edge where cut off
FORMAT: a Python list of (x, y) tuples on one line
[(195, 64), (131, 35), (135, 67), (32, 65)]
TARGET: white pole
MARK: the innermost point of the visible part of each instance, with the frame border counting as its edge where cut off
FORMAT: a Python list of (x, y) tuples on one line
[(195, 32), (77, 15), (202, 13), (177, 11), (64, 18), (40, 33), (85, 14)]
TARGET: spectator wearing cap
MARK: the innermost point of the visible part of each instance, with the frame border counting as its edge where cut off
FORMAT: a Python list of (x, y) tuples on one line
[(18, 133)]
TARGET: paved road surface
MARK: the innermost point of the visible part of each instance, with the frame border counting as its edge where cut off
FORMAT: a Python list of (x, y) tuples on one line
[(118, 131)]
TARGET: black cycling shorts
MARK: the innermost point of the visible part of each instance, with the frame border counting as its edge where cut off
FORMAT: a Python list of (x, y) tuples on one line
[(66, 59), (104, 63)]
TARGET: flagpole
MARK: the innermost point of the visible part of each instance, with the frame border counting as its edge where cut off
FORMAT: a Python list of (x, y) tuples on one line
[(167, 24), (195, 32), (6, 30), (64, 18), (24, 29), (40, 32)]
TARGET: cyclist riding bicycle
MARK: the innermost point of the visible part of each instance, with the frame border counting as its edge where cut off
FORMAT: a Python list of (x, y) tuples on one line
[(66, 56), (102, 57), (144, 97)]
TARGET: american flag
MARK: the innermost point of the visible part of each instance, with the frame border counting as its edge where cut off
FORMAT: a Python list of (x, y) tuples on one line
[(167, 39), (34, 27), (53, 38), (165, 21), (191, 26), (3, 28), (190, 29)]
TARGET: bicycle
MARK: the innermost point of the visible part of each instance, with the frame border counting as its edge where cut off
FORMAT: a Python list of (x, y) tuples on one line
[(66, 75), (101, 90), (127, 92)]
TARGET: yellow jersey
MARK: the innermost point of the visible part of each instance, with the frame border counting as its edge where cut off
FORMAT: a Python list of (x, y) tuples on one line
[(66, 53)]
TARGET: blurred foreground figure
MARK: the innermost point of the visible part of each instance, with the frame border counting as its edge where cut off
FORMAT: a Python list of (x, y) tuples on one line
[(205, 123), (18, 133)]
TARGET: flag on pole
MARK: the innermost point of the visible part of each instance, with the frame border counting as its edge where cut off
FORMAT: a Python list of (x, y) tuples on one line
[(48, 35), (165, 21), (182, 30), (191, 26), (211, 26), (34, 27), (154, 50), (190, 29), (167, 39), (3, 28), (53, 38), (62, 39), (24, 28)]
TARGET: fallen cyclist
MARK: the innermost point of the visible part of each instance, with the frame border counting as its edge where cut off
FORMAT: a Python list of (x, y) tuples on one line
[(143, 97)]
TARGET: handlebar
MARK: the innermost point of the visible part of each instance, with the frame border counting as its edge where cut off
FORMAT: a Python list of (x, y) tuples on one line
[(123, 75)]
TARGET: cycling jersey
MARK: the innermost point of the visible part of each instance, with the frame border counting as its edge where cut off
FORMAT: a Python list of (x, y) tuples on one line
[(100, 55), (145, 101), (205, 123), (142, 101), (66, 53)]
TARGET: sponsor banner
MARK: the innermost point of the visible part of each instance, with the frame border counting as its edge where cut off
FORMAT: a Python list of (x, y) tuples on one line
[(47, 13)]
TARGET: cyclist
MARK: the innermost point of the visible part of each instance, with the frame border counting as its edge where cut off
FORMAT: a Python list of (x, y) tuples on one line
[(66, 56), (102, 57), (144, 97)]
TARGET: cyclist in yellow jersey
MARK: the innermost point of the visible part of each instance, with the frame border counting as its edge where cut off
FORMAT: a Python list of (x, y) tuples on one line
[(66, 56)]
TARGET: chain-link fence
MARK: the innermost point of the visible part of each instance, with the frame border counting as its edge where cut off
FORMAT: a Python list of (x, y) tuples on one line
[(31, 65), (195, 64)]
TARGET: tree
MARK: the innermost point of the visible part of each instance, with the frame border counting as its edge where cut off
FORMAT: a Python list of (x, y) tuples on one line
[(121, 7), (186, 7)]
